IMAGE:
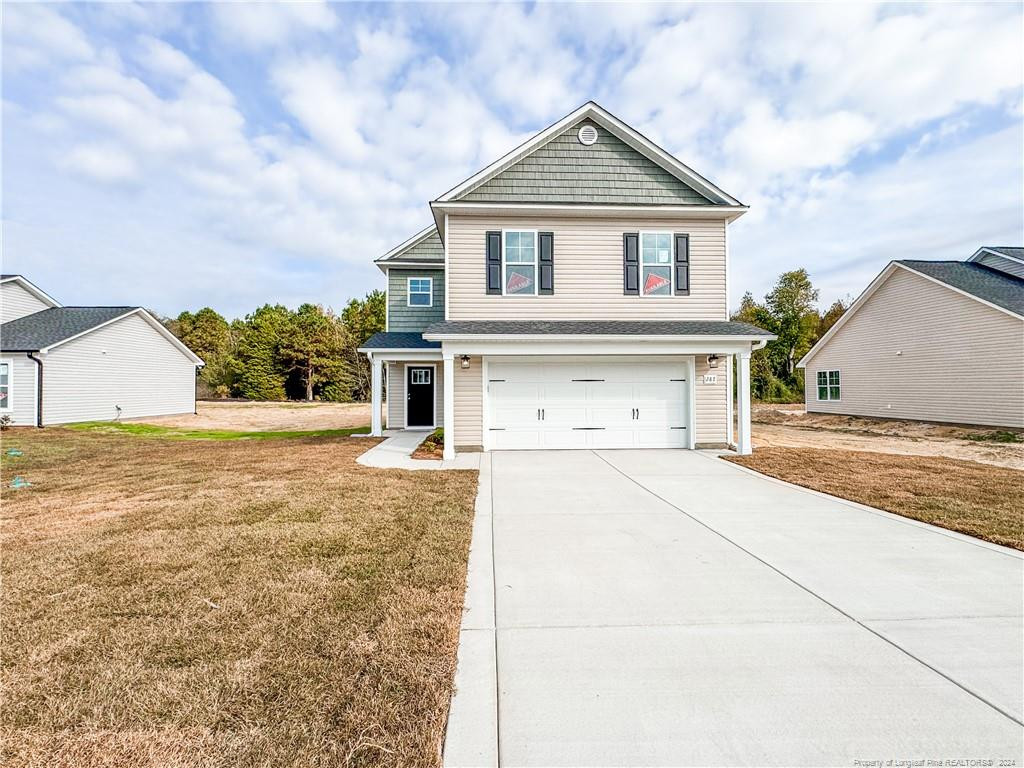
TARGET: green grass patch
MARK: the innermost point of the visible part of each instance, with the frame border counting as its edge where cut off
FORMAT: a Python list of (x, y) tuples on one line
[(997, 437), (178, 433)]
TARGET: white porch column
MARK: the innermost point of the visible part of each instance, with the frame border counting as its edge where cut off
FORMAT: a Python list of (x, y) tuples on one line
[(376, 395), (743, 444), (449, 406)]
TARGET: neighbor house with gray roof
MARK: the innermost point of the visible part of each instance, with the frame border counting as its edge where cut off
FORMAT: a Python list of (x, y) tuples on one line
[(62, 364), (935, 341), (572, 294)]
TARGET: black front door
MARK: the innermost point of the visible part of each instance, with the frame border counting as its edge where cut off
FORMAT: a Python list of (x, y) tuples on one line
[(419, 396)]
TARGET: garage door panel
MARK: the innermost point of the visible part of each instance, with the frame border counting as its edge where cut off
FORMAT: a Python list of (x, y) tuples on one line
[(661, 438), (515, 416), (516, 439), (508, 391), (565, 438), (570, 391), (563, 415), (612, 438), (660, 414), (657, 392), (612, 415), (611, 391), (588, 404)]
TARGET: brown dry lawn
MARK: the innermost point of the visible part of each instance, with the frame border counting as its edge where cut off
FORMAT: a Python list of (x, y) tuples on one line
[(260, 416), (790, 426), (238, 603), (966, 496)]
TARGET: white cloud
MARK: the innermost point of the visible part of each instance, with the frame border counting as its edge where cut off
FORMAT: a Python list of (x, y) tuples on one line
[(104, 163), (765, 143), (258, 25), (36, 36)]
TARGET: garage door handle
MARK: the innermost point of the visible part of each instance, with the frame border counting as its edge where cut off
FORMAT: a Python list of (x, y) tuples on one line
[(586, 428)]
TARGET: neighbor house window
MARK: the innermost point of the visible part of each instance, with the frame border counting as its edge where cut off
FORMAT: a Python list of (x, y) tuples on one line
[(5, 385), (421, 292), (655, 264), (519, 263), (828, 385)]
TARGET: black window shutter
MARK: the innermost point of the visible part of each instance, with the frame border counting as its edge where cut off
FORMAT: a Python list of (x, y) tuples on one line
[(493, 251), (546, 263), (682, 264), (631, 263)]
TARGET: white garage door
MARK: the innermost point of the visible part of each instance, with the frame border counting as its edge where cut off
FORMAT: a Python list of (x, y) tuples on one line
[(592, 403)]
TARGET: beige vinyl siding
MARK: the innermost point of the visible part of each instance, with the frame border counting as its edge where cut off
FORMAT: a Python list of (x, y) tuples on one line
[(397, 377), (127, 363), (16, 302), (1009, 266), (588, 271), (962, 361), (469, 399), (23, 389), (711, 403), (396, 396)]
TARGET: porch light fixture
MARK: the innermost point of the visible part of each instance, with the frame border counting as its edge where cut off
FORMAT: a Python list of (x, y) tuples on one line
[(712, 361), (464, 360)]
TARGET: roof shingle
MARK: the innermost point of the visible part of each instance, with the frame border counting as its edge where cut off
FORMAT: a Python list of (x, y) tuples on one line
[(45, 328), (396, 340), (991, 285), (596, 328)]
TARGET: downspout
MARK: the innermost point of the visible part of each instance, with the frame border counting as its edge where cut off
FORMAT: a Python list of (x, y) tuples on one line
[(39, 388)]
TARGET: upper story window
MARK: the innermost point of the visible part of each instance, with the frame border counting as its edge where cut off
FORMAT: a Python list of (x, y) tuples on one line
[(420, 292), (5, 385), (828, 385), (519, 263), (655, 264)]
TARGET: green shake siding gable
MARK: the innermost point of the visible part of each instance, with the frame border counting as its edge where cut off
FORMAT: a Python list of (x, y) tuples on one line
[(410, 319), (566, 171)]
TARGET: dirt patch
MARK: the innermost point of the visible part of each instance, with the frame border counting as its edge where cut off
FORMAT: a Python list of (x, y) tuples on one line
[(227, 603), (789, 426), (965, 496), (432, 446), (261, 417)]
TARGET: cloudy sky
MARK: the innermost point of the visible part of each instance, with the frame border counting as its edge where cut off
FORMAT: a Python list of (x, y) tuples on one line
[(178, 156)]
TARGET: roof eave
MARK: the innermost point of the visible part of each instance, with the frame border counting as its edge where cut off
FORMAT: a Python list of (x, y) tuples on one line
[(32, 288), (595, 210), (596, 337), (401, 248)]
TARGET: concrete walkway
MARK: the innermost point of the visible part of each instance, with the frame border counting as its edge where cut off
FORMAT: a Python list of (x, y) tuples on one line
[(395, 453), (668, 608)]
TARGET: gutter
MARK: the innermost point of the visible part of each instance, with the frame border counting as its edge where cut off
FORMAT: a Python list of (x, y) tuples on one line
[(39, 388)]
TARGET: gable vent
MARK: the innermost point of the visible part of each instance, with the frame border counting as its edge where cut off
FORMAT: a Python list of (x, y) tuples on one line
[(587, 134)]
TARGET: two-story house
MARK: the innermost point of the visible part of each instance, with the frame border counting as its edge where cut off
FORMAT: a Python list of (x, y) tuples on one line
[(573, 294)]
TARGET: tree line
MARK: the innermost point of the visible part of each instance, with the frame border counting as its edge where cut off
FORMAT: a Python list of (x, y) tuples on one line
[(275, 353), (790, 311), (310, 353)]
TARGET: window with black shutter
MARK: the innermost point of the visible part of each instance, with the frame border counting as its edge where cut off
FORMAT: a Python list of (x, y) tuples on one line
[(682, 264), (631, 263)]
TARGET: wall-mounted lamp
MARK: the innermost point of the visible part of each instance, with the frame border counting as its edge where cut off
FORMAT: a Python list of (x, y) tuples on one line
[(712, 361), (464, 361)]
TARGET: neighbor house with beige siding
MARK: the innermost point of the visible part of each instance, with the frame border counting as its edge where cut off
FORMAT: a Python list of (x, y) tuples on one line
[(573, 294), (935, 341), (62, 364)]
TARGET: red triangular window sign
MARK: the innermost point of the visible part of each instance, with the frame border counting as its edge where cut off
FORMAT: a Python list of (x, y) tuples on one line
[(654, 282), (517, 282)]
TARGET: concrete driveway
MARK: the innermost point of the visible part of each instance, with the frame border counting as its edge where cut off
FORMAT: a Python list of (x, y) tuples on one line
[(668, 608)]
